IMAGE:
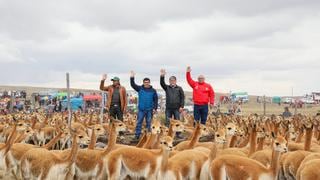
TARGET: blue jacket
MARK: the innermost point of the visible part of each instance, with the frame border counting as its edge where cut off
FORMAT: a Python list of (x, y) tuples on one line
[(148, 97)]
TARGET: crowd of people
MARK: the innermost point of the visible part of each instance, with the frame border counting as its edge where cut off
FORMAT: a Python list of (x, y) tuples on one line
[(13, 99)]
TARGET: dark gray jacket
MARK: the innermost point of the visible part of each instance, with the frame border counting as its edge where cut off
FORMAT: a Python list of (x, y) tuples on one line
[(174, 95)]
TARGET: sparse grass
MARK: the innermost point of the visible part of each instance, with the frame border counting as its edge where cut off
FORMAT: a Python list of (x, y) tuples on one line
[(253, 107)]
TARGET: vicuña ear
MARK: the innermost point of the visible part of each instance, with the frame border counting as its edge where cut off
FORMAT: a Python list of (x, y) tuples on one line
[(171, 120), (273, 135), (73, 131), (116, 121)]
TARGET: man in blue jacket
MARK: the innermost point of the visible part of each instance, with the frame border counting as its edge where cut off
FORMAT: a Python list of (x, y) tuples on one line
[(147, 104)]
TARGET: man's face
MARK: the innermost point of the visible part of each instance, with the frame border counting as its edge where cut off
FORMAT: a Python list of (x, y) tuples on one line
[(201, 79), (172, 81), (115, 83), (146, 84)]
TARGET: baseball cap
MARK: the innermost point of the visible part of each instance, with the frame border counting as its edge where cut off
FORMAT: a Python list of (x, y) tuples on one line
[(115, 78)]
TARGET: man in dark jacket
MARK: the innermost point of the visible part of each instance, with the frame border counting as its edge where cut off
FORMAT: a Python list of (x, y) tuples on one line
[(147, 104), (117, 97), (174, 97)]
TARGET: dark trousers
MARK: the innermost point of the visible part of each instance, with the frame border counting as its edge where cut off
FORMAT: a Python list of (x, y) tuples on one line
[(143, 114), (200, 112), (172, 112), (115, 112)]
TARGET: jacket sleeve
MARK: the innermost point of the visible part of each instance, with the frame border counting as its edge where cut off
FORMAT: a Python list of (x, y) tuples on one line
[(190, 81), (134, 85), (155, 100), (211, 95), (102, 87), (125, 98), (181, 97), (162, 83)]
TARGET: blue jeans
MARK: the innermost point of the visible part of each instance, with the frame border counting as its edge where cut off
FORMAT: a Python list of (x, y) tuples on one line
[(172, 112), (147, 114), (200, 112)]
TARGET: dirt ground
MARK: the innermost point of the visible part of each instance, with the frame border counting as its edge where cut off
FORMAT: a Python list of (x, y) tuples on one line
[(253, 107)]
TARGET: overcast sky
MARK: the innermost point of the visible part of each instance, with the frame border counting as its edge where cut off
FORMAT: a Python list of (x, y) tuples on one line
[(262, 47)]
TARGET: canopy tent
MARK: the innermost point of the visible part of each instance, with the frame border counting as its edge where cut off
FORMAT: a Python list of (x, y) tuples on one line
[(92, 97), (76, 103), (276, 99), (60, 95), (45, 98)]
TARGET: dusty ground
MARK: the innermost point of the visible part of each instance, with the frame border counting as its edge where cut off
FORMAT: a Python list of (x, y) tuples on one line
[(253, 107)]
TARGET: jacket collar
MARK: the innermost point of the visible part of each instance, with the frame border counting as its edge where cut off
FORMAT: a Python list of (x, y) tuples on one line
[(146, 88)]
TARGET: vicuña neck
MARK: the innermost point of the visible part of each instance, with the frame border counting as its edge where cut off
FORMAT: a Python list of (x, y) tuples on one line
[(253, 141), (151, 141), (308, 137), (260, 143), (171, 133), (233, 141), (112, 139), (165, 158), (74, 150), (274, 163), (195, 136)]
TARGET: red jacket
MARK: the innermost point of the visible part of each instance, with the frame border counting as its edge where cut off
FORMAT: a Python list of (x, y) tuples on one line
[(202, 92)]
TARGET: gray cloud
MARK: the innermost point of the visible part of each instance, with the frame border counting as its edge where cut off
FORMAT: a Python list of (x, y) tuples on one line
[(264, 47)]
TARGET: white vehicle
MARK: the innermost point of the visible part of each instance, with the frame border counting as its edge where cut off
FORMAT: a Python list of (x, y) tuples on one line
[(287, 100), (188, 108), (307, 100)]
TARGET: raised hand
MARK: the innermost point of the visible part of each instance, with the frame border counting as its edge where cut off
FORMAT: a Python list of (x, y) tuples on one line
[(162, 72), (104, 77), (188, 69), (132, 73)]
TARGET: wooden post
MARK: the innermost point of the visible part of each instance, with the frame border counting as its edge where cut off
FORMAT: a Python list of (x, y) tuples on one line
[(103, 104), (68, 100), (68, 105)]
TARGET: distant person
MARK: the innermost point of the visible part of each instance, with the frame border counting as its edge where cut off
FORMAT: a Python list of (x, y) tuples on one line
[(117, 97), (238, 110), (286, 112), (203, 95), (147, 103), (174, 97)]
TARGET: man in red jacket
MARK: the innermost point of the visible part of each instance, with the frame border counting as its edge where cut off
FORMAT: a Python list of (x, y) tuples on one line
[(203, 95)]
